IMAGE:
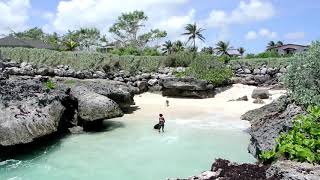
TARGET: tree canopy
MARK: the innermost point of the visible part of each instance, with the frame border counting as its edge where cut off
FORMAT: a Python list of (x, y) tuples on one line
[(126, 30)]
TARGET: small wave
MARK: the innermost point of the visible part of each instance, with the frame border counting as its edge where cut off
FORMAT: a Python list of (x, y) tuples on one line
[(9, 162)]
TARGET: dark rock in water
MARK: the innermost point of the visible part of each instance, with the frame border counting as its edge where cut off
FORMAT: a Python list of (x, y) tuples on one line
[(76, 130), (225, 170), (294, 170), (260, 93), (157, 126), (268, 122), (186, 87)]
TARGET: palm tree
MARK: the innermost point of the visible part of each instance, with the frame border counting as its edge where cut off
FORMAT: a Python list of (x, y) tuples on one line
[(223, 48), (279, 43), (71, 45), (271, 44), (193, 33), (178, 46), (241, 50), (167, 47)]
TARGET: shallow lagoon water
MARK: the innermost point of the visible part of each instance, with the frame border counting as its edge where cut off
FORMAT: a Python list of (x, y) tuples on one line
[(132, 150)]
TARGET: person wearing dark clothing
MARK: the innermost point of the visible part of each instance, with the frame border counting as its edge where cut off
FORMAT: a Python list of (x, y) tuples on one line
[(161, 122)]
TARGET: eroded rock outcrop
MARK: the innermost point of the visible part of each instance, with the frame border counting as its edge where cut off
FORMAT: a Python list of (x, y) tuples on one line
[(290, 170), (186, 87), (27, 111), (268, 122), (93, 106)]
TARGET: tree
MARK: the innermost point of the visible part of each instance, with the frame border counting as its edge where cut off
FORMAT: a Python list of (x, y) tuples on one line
[(223, 48), (241, 50), (178, 46), (33, 33), (127, 27), (207, 50), (279, 43), (271, 44), (167, 47), (86, 38), (193, 33)]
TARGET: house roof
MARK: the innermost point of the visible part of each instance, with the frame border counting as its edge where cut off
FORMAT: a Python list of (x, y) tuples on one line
[(38, 44), (11, 41), (285, 45)]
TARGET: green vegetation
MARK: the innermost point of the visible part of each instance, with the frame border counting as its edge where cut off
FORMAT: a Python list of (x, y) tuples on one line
[(303, 76), (302, 142), (193, 32), (50, 85), (207, 68), (127, 27), (258, 62)]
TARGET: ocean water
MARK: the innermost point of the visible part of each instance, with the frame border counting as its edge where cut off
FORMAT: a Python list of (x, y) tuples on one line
[(132, 150)]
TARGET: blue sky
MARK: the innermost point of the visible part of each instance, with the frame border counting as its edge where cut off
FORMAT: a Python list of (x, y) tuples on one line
[(247, 23)]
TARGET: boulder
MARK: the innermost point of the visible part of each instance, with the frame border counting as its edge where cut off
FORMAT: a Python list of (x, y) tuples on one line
[(93, 106), (258, 101), (152, 82), (243, 98), (260, 93), (142, 85), (290, 170), (283, 70), (263, 71), (247, 71), (186, 87)]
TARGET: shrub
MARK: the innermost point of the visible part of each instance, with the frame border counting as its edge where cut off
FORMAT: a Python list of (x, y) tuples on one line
[(207, 68), (50, 85), (303, 76), (83, 60), (302, 142), (179, 59)]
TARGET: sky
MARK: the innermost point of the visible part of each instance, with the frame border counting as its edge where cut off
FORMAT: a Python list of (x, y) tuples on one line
[(244, 23)]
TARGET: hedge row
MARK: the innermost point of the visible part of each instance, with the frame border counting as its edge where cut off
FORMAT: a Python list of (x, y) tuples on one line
[(86, 60), (81, 60)]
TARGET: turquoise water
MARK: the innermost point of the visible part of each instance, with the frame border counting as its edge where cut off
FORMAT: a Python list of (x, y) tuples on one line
[(132, 150)]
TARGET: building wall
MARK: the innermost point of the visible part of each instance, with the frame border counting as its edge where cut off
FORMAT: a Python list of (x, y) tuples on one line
[(296, 49)]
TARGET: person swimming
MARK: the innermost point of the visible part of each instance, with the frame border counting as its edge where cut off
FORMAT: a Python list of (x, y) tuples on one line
[(161, 122)]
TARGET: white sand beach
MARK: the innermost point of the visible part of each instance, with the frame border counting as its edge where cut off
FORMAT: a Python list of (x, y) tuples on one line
[(150, 104)]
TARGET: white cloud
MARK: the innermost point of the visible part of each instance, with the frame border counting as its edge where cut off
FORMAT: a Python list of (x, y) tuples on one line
[(174, 24), (102, 13), (295, 35), (48, 16), (266, 33), (13, 15), (246, 12), (262, 33), (251, 35)]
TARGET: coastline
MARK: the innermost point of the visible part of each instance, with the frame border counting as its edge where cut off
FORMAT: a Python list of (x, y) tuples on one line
[(149, 105)]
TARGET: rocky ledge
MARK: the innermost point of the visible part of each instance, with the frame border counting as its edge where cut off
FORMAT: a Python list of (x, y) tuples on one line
[(186, 87), (29, 109), (268, 122)]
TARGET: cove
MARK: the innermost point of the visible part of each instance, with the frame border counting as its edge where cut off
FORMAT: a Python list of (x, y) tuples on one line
[(129, 149)]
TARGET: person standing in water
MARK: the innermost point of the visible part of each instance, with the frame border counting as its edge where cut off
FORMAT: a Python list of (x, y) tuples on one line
[(161, 122)]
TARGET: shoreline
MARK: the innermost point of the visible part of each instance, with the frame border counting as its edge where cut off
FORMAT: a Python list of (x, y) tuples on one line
[(149, 105)]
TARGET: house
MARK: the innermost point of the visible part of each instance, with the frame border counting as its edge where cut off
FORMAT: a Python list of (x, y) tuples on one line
[(11, 41), (289, 49), (231, 52)]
